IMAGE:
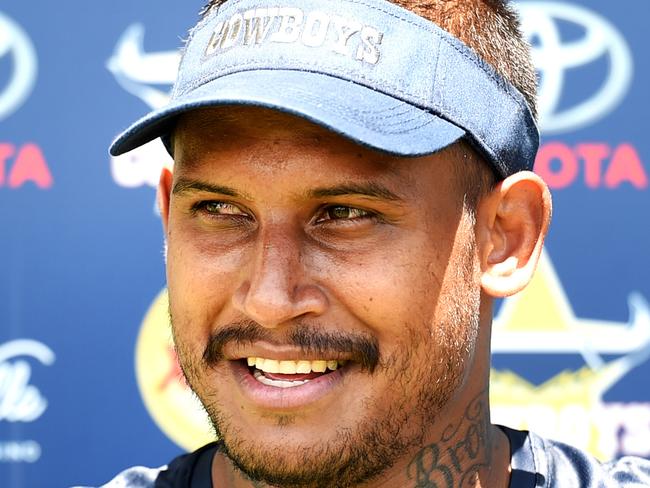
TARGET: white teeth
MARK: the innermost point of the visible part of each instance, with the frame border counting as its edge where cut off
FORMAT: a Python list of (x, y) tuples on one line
[(293, 367), (277, 383), (319, 366), (303, 367), (288, 367), (271, 366)]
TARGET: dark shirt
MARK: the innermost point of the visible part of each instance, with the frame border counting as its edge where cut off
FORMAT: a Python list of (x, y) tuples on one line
[(535, 463)]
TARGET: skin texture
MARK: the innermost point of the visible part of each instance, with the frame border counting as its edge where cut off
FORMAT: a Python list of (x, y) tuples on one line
[(285, 239)]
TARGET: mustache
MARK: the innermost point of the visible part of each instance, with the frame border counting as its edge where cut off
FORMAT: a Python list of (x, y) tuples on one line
[(359, 348)]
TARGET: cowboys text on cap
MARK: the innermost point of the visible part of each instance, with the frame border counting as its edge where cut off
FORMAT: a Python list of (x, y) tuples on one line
[(292, 25)]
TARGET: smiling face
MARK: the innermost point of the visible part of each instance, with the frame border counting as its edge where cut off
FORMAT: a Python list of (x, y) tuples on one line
[(324, 297)]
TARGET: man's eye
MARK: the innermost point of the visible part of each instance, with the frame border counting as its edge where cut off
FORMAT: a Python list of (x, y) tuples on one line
[(341, 212), (219, 208)]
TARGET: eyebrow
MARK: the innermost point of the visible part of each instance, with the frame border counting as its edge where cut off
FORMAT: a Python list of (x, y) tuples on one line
[(372, 190), (185, 185)]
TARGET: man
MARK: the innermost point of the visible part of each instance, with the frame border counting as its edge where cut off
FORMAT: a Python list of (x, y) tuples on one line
[(351, 190)]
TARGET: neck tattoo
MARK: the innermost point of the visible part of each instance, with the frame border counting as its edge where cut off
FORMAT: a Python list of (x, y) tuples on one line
[(463, 450)]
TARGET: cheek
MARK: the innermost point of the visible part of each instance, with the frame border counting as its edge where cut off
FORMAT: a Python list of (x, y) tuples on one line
[(390, 287), (200, 284)]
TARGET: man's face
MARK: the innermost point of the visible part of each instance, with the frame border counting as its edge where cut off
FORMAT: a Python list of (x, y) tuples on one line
[(289, 243)]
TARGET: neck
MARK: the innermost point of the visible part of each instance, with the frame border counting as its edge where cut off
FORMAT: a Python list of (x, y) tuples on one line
[(469, 452), (466, 452)]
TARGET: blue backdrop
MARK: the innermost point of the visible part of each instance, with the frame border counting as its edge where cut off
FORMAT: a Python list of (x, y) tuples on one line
[(85, 373)]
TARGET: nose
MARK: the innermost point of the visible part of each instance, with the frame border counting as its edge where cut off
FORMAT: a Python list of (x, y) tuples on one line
[(277, 286)]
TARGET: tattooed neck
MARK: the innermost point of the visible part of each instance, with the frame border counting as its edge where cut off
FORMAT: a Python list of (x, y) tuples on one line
[(466, 455), (462, 452)]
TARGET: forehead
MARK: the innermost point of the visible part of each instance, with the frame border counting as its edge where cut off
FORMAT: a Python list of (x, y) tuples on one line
[(242, 142), (220, 127), (246, 146), (205, 132)]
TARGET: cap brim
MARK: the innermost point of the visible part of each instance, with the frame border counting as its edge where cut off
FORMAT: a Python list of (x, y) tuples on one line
[(361, 114)]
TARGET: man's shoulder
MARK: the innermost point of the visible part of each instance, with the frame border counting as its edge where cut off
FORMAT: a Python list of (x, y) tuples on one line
[(540, 462), (569, 466), (135, 477), (186, 470), (630, 471)]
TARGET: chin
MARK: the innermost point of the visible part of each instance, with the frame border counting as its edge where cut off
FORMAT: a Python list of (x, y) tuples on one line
[(291, 450), (288, 460)]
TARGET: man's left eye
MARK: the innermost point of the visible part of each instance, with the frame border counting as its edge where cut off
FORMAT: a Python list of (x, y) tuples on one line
[(341, 212)]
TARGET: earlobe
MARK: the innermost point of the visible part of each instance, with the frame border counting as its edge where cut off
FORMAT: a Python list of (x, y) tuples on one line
[(512, 222), (164, 195)]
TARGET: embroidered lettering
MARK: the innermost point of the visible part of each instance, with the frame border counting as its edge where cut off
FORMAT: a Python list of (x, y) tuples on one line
[(344, 30), (231, 35), (215, 39), (292, 25), (258, 24), (368, 51), (315, 29)]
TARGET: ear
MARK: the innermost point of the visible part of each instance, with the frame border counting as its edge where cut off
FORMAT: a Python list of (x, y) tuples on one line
[(512, 222), (164, 195)]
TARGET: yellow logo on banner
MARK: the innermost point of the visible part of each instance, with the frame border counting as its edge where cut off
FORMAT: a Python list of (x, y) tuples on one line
[(169, 400), (568, 406)]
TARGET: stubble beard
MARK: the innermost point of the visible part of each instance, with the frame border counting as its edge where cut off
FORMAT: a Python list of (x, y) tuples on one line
[(358, 453)]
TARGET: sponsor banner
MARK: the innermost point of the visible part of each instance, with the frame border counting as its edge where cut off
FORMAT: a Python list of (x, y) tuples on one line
[(555, 56), (19, 163), (89, 381), (16, 45), (70, 407), (569, 405), (21, 401), (168, 398)]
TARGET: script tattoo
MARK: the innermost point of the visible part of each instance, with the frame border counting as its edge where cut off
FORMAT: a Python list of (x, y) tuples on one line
[(454, 461)]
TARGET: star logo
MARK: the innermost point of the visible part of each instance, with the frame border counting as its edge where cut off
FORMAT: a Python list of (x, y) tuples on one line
[(569, 405)]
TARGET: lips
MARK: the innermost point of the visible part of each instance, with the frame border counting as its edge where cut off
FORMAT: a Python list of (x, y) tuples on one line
[(289, 374), (288, 384)]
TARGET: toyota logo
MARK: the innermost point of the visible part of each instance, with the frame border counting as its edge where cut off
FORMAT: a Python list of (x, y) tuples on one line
[(15, 43), (554, 57)]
